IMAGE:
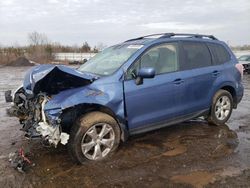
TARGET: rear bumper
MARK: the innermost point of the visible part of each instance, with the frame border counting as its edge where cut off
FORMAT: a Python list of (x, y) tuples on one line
[(240, 93)]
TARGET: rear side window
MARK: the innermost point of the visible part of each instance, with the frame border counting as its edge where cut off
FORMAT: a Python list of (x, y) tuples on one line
[(219, 52), (196, 55)]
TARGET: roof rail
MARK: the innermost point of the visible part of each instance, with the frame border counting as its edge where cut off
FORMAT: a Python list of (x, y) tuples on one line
[(169, 35), (152, 35), (190, 35)]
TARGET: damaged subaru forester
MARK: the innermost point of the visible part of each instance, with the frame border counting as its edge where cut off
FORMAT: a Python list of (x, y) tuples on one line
[(136, 86)]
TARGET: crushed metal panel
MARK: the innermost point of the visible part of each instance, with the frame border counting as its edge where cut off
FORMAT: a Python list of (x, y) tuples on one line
[(55, 78), (91, 94)]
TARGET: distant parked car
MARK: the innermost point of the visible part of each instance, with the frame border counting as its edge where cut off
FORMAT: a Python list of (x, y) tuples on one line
[(78, 62), (136, 86), (245, 61), (75, 62)]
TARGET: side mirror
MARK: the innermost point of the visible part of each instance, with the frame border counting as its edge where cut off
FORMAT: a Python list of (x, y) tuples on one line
[(147, 72)]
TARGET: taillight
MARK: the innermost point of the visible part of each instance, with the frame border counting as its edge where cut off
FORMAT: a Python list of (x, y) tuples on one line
[(240, 68)]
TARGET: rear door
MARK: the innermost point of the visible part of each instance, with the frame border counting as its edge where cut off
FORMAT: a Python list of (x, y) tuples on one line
[(157, 99), (198, 75)]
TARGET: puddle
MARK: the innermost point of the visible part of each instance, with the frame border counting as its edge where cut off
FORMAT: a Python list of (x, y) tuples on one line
[(197, 179), (176, 148)]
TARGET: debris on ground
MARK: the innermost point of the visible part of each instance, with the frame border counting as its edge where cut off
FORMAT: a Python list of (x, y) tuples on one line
[(21, 61), (19, 160)]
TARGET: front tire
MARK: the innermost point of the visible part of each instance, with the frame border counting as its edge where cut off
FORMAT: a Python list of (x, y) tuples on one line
[(221, 108), (94, 137)]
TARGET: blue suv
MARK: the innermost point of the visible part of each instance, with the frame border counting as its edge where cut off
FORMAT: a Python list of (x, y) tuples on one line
[(139, 85)]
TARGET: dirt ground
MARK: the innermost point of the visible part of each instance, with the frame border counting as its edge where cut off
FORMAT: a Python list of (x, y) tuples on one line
[(190, 154)]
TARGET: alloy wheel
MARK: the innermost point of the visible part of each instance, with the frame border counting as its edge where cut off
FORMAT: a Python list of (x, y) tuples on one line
[(222, 107), (98, 141)]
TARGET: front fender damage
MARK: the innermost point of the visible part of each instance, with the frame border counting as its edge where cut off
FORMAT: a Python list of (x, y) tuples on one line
[(40, 84), (48, 91), (41, 116), (86, 98)]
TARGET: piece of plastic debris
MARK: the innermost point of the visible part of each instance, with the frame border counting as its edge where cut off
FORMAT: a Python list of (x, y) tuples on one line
[(19, 161), (64, 137)]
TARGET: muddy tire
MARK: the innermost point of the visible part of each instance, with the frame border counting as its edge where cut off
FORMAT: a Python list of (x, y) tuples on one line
[(221, 108), (94, 137)]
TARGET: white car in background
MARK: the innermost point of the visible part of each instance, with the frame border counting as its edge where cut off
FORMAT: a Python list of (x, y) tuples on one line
[(245, 61)]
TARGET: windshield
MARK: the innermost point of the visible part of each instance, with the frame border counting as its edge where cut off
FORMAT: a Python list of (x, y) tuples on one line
[(109, 60), (244, 58)]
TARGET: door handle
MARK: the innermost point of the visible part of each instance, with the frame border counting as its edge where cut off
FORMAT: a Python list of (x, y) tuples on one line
[(178, 81), (215, 73)]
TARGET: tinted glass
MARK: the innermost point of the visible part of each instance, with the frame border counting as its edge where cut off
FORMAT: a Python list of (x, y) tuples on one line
[(196, 55), (219, 52), (164, 58)]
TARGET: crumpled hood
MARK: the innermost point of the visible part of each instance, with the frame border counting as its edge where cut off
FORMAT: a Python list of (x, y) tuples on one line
[(54, 78)]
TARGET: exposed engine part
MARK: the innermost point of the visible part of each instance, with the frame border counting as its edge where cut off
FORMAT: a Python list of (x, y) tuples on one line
[(52, 133), (30, 111)]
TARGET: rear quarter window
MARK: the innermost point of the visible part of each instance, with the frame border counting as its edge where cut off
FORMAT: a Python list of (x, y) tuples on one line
[(219, 52), (196, 55)]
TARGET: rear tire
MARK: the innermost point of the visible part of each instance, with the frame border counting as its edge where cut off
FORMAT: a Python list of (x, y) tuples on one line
[(94, 137), (221, 109)]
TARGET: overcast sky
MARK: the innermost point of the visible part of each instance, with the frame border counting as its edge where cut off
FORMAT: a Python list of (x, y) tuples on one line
[(112, 21)]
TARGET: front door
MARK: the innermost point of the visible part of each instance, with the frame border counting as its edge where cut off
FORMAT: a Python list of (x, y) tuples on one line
[(157, 99)]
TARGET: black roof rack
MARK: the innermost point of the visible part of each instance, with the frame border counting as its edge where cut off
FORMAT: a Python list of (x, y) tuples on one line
[(169, 35), (146, 36), (189, 35)]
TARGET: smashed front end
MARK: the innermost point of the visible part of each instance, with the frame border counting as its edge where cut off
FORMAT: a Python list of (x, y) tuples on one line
[(40, 85)]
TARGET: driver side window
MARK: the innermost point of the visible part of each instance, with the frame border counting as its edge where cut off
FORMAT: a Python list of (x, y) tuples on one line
[(163, 58)]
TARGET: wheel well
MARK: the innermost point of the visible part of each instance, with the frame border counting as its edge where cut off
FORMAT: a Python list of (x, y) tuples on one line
[(70, 115), (232, 91)]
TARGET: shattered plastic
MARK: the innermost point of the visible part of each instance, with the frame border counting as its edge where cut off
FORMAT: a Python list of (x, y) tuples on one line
[(19, 160)]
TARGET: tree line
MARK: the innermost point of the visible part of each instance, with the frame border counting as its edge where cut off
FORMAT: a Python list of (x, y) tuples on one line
[(41, 50), (243, 47)]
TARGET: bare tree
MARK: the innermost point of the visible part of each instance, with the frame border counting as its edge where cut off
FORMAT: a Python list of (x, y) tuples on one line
[(36, 38), (39, 50)]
